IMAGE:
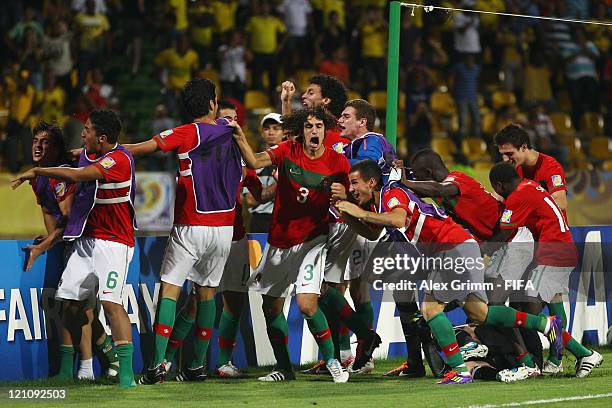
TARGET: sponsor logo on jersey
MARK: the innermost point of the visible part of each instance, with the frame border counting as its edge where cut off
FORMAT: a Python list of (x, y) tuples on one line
[(60, 189), (294, 171), (107, 162), (557, 181), (166, 133), (394, 202), (505, 218)]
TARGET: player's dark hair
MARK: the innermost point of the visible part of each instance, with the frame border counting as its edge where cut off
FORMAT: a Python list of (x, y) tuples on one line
[(503, 172), (513, 134), (196, 97), (369, 169), (428, 156), (294, 122), (56, 138), (106, 122), (363, 109), (223, 104), (333, 89)]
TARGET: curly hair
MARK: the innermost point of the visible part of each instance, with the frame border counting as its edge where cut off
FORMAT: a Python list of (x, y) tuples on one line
[(196, 97), (293, 123), (333, 89)]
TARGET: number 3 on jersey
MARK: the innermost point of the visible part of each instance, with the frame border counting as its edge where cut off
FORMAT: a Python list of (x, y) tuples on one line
[(303, 195)]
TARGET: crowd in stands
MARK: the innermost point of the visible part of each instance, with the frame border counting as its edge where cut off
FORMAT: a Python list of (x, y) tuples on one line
[(462, 75)]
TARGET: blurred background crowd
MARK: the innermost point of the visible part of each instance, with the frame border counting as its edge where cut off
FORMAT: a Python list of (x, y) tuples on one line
[(463, 76)]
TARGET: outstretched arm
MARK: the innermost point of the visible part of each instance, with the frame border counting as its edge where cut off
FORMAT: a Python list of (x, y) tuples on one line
[(74, 175), (142, 148), (433, 188), (253, 160)]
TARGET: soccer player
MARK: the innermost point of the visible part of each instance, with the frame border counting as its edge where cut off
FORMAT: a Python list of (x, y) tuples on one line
[(55, 198), (515, 147), (233, 284), (471, 206), (296, 243), (102, 223), (201, 238), (529, 204), (411, 220)]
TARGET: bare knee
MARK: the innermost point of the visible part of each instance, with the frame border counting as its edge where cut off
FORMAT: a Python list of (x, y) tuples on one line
[(308, 304), (272, 306)]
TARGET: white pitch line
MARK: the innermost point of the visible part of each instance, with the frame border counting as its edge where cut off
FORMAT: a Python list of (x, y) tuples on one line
[(566, 20), (546, 401)]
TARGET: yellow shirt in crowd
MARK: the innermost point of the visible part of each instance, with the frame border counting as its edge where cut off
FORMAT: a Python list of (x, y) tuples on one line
[(225, 15), (373, 40), (180, 11), (264, 32), (92, 28), (327, 6), (179, 67), (201, 35)]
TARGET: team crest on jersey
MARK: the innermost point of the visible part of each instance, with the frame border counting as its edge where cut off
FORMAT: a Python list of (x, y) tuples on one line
[(107, 162), (393, 202), (338, 147), (166, 133), (60, 189), (557, 181), (505, 218)]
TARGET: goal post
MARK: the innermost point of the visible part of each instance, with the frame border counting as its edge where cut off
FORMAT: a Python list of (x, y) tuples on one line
[(393, 72)]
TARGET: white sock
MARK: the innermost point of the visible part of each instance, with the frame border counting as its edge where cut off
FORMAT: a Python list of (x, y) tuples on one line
[(86, 370)]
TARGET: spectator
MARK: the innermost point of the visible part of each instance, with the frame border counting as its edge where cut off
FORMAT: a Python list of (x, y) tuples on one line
[(263, 30), (543, 137), (30, 57), (336, 66), (134, 24), (18, 143), (510, 40), (202, 23), (179, 8), (92, 29), (419, 128), (161, 121), (465, 30), (80, 6), (98, 94), (57, 50), (296, 15), (51, 101), (582, 79), (373, 49), (179, 63), (578, 9), (537, 81), (410, 34), (327, 7), (233, 57), (419, 87), (225, 18), (465, 79), (15, 37), (333, 37)]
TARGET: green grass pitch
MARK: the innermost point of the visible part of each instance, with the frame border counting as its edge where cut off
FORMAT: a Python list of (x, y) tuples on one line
[(369, 390)]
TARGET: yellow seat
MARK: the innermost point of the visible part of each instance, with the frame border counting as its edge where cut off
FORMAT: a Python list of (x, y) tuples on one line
[(563, 124), (475, 149), (592, 123), (601, 148), (378, 99), (488, 123), (445, 148), (256, 100), (483, 165), (442, 103), (607, 166), (209, 73), (353, 95), (502, 99), (576, 154)]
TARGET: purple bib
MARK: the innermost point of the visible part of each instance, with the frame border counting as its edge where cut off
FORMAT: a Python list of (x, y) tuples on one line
[(46, 197)]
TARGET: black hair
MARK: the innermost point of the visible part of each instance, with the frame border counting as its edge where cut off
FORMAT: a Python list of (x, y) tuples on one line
[(430, 157), (513, 134), (294, 122), (363, 109), (333, 89), (224, 104), (196, 97), (503, 172), (106, 122), (369, 169), (56, 137)]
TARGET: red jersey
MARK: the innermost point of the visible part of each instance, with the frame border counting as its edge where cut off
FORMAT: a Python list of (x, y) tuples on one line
[(112, 222), (301, 205), (531, 206), (474, 208), (334, 140), (182, 140), (547, 172), (251, 181), (441, 234)]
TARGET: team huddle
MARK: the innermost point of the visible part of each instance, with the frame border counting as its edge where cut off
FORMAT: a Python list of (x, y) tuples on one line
[(340, 197)]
